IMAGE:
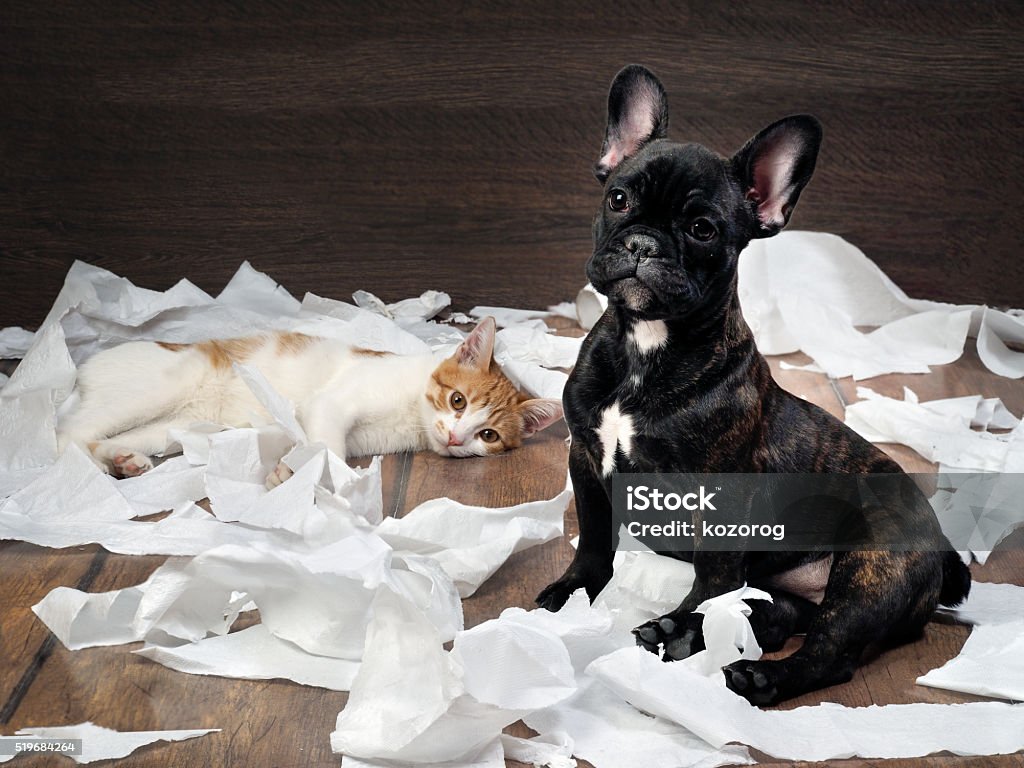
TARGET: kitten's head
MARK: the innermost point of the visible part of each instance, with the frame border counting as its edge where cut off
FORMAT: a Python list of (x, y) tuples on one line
[(472, 409)]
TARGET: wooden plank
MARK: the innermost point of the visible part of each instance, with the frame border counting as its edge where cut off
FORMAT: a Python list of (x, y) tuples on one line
[(27, 574)]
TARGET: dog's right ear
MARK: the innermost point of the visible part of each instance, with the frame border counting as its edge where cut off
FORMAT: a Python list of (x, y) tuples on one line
[(637, 114)]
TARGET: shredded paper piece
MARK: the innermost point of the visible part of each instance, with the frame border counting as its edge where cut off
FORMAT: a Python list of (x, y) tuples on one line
[(99, 743), (814, 292)]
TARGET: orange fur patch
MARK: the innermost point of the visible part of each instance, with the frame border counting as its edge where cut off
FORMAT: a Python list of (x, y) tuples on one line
[(171, 346), (369, 352), (293, 342), (222, 353)]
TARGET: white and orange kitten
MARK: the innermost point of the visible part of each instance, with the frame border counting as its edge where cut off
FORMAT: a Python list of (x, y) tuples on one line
[(357, 402)]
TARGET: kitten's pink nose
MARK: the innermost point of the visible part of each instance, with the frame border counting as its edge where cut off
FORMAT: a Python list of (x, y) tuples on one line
[(452, 439)]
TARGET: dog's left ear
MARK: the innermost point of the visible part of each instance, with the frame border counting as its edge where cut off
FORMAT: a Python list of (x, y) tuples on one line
[(637, 114), (774, 166)]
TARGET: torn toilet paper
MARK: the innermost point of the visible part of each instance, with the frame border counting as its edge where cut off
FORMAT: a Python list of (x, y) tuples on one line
[(987, 665), (823, 732), (99, 743), (813, 291)]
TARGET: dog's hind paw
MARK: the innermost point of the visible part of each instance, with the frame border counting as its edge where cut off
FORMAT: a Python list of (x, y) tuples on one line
[(680, 635), (753, 680)]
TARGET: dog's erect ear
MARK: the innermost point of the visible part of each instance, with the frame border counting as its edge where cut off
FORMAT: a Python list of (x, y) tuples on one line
[(477, 349), (774, 167), (637, 114)]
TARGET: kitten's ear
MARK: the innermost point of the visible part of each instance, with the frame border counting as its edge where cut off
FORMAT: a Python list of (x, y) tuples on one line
[(539, 414), (478, 348), (637, 114)]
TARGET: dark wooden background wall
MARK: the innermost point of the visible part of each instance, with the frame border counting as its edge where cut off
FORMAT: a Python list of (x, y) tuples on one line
[(397, 146)]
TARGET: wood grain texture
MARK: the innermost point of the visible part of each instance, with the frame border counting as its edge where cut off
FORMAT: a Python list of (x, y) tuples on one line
[(336, 145)]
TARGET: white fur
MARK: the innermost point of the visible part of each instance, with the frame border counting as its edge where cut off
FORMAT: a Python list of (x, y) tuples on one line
[(649, 335), (128, 398), (615, 431)]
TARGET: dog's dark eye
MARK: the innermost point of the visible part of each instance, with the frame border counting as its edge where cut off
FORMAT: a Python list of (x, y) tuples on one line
[(702, 230), (618, 200)]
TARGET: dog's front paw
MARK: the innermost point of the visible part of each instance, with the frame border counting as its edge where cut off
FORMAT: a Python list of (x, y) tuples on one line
[(590, 576), (753, 680), (554, 595), (131, 464), (680, 635), (281, 473)]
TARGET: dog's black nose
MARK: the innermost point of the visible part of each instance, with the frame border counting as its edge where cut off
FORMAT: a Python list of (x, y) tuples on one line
[(643, 246)]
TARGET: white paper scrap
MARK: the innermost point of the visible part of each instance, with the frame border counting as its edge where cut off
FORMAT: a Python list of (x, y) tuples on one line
[(823, 732), (506, 316), (85, 620), (937, 432), (989, 664), (99, 743), (537, 346), (255, 654), (814, 292), (609, 733), (544, 751), (14, 343), (471, 542)]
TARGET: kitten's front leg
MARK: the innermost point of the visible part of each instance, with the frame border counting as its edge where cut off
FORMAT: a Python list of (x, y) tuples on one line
[(325, 420)]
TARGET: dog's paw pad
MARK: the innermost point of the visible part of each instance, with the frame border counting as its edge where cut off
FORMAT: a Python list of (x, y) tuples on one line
[(680, 636), (681, 648), (131, 464), (751, 681)]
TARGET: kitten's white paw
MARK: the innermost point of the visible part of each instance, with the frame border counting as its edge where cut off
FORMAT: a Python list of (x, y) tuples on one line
[(281, 473), (131, 464)]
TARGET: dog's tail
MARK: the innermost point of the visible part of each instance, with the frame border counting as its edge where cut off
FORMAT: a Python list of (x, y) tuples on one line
[(956, 580)]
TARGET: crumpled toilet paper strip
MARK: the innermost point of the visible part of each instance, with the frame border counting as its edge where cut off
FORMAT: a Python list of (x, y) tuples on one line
[(827, 731), (941, 430), (523, 664), (811, 291), (988, 664), (99, 743)]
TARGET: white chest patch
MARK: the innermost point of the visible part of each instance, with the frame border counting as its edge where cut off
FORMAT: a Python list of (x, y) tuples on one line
[(614, 431), (649, 335)]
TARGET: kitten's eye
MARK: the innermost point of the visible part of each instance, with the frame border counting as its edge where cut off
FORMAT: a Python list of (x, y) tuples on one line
[(702, 230), (457, 400), (618, 200), (488, 435)]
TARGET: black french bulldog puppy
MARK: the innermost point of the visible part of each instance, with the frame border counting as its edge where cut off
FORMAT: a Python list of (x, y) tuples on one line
[(669, 380)]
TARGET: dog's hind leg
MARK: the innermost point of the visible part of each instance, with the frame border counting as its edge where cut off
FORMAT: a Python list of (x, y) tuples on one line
[(873, 599)]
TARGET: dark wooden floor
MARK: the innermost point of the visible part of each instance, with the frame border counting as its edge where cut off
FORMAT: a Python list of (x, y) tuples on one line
[(338, 144), (278, 723)]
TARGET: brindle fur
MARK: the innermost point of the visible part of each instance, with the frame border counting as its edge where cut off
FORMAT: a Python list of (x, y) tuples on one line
[(705, 401)]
